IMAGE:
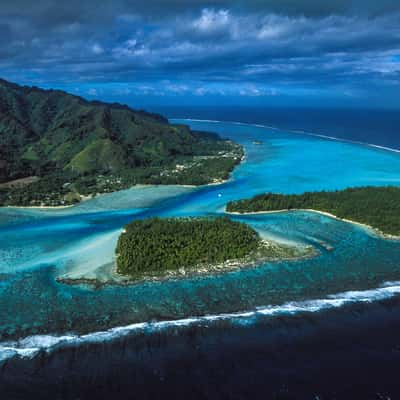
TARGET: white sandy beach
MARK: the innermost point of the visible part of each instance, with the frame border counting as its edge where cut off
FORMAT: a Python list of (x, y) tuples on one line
[(327, 214)]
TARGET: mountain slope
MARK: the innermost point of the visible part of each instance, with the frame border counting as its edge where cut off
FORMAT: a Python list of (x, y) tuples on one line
[(90, 147)]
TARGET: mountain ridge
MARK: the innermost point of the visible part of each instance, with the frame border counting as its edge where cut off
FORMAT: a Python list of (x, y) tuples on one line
[(57, 136)]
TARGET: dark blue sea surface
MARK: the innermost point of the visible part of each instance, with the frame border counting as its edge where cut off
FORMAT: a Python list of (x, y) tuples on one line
[(289, 329), (347, 353), (380, 127)]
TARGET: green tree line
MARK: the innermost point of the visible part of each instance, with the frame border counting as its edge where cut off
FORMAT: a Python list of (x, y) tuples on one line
[(378, 207), (158, 245)]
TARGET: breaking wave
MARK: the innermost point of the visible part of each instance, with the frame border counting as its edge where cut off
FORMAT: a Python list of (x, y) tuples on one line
[(297, 131), (30, 346)]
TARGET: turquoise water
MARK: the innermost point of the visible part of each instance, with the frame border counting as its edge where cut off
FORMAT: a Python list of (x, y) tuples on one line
[(37, 246)]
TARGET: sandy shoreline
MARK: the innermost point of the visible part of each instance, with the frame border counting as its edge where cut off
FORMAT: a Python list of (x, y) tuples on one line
[(90, 197), (102, 194), (138, 186), (279, 253), (376, 231), (41, 207)]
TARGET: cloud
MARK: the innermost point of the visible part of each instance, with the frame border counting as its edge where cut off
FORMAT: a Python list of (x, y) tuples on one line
[(97, 49), (212, 20), (92, 92), (89, 10), (257, 91), (201, 47), (176, 88)]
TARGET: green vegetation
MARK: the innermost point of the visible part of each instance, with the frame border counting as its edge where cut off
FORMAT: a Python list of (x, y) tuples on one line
[(155, 246), (378, 207), (76, 147)]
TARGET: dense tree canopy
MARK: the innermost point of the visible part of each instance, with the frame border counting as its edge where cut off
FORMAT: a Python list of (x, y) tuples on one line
[(76, 146), (378, 207), (157, 245)]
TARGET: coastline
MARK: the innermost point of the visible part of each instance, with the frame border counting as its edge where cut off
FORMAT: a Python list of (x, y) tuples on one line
[(163, 317), (41, 207), (370, 228), (87, 198), (282, 253), (137, 186), (29, 349), (296, 132), (83, 199)]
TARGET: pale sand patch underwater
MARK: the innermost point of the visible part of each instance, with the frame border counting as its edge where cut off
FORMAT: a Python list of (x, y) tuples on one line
[(367, 227), (101, 196), (106, 274)]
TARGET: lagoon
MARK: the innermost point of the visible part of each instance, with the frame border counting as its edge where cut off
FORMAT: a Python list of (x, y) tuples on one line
[(38, 246)]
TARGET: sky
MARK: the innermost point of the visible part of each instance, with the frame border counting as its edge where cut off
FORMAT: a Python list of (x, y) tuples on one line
[(170, 52)]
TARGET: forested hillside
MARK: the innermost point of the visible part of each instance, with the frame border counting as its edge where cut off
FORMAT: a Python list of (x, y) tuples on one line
[(68, 147)]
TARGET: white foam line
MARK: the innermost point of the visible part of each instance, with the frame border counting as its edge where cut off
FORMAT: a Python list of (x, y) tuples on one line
[(297, 131), (32, 345), (345, 140), (214, 121), (196, 120)]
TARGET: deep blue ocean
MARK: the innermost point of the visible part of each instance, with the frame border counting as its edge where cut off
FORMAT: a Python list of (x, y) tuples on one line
[(327, 327), (380, 127)]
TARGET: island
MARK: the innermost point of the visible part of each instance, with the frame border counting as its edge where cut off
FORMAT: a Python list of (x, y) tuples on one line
[(376, 207), (165, 247), (57, 149)]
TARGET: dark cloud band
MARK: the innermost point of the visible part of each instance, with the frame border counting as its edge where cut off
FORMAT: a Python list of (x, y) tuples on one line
[(275, 43)]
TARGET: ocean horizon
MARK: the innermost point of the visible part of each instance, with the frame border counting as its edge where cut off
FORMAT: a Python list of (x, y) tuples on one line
[(369, 126), (200, 200)]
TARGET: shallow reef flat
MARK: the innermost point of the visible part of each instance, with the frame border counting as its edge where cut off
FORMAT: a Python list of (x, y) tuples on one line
[(39, 246)]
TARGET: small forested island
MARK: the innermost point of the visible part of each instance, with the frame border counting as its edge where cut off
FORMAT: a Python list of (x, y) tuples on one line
[(57, 149), (377, 207), (157, 247)]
